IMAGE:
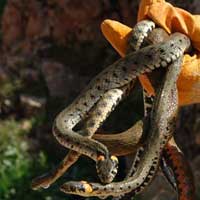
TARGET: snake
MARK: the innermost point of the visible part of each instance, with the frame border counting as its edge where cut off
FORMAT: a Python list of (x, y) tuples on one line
[(173, 164), (162, 124), (127, 142), (112, 82)]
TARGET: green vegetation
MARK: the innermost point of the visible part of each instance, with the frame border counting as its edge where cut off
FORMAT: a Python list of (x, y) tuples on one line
[(18, 165), (14, 160)]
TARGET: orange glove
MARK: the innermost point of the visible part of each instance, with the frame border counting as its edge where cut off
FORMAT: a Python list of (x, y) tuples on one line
[(172, 19)]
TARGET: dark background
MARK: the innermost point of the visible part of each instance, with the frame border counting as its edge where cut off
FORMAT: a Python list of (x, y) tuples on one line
[(50, 49)]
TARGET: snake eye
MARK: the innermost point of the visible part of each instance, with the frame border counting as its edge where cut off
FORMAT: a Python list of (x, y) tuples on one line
[(114, 171)]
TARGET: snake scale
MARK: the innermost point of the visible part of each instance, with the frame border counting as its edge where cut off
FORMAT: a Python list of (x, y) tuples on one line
[(111, 84), (174, 158), (165, 101)]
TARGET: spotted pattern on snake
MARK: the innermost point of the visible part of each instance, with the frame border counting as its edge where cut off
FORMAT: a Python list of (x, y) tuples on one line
[(169, 58), (95, 119), (158, 35), (185, 182), (117, 75), (139, 33), (151, 159), (138, 181)]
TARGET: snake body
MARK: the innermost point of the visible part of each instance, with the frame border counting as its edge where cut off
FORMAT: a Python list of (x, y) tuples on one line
[(181, 170), (128, 141), (115, 76), (160, 132), (116, 79)]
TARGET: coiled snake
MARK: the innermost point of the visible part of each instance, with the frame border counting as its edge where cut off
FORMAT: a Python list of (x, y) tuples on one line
[(101, 97)]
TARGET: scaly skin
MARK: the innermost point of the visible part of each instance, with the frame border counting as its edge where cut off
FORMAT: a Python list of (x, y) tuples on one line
[(172, 156), (46, 180), (89, 186), (135, 181), (188, 82), (156, 36), (120, 74), (181, 170), (115, 76), (139, 38), (163, 61), (96, 116), (162, 124), (127, 143)]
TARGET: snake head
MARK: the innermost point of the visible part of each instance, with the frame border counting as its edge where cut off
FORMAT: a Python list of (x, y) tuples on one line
[(182, 41), (107, 168), (82, 188), (41, 182)]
